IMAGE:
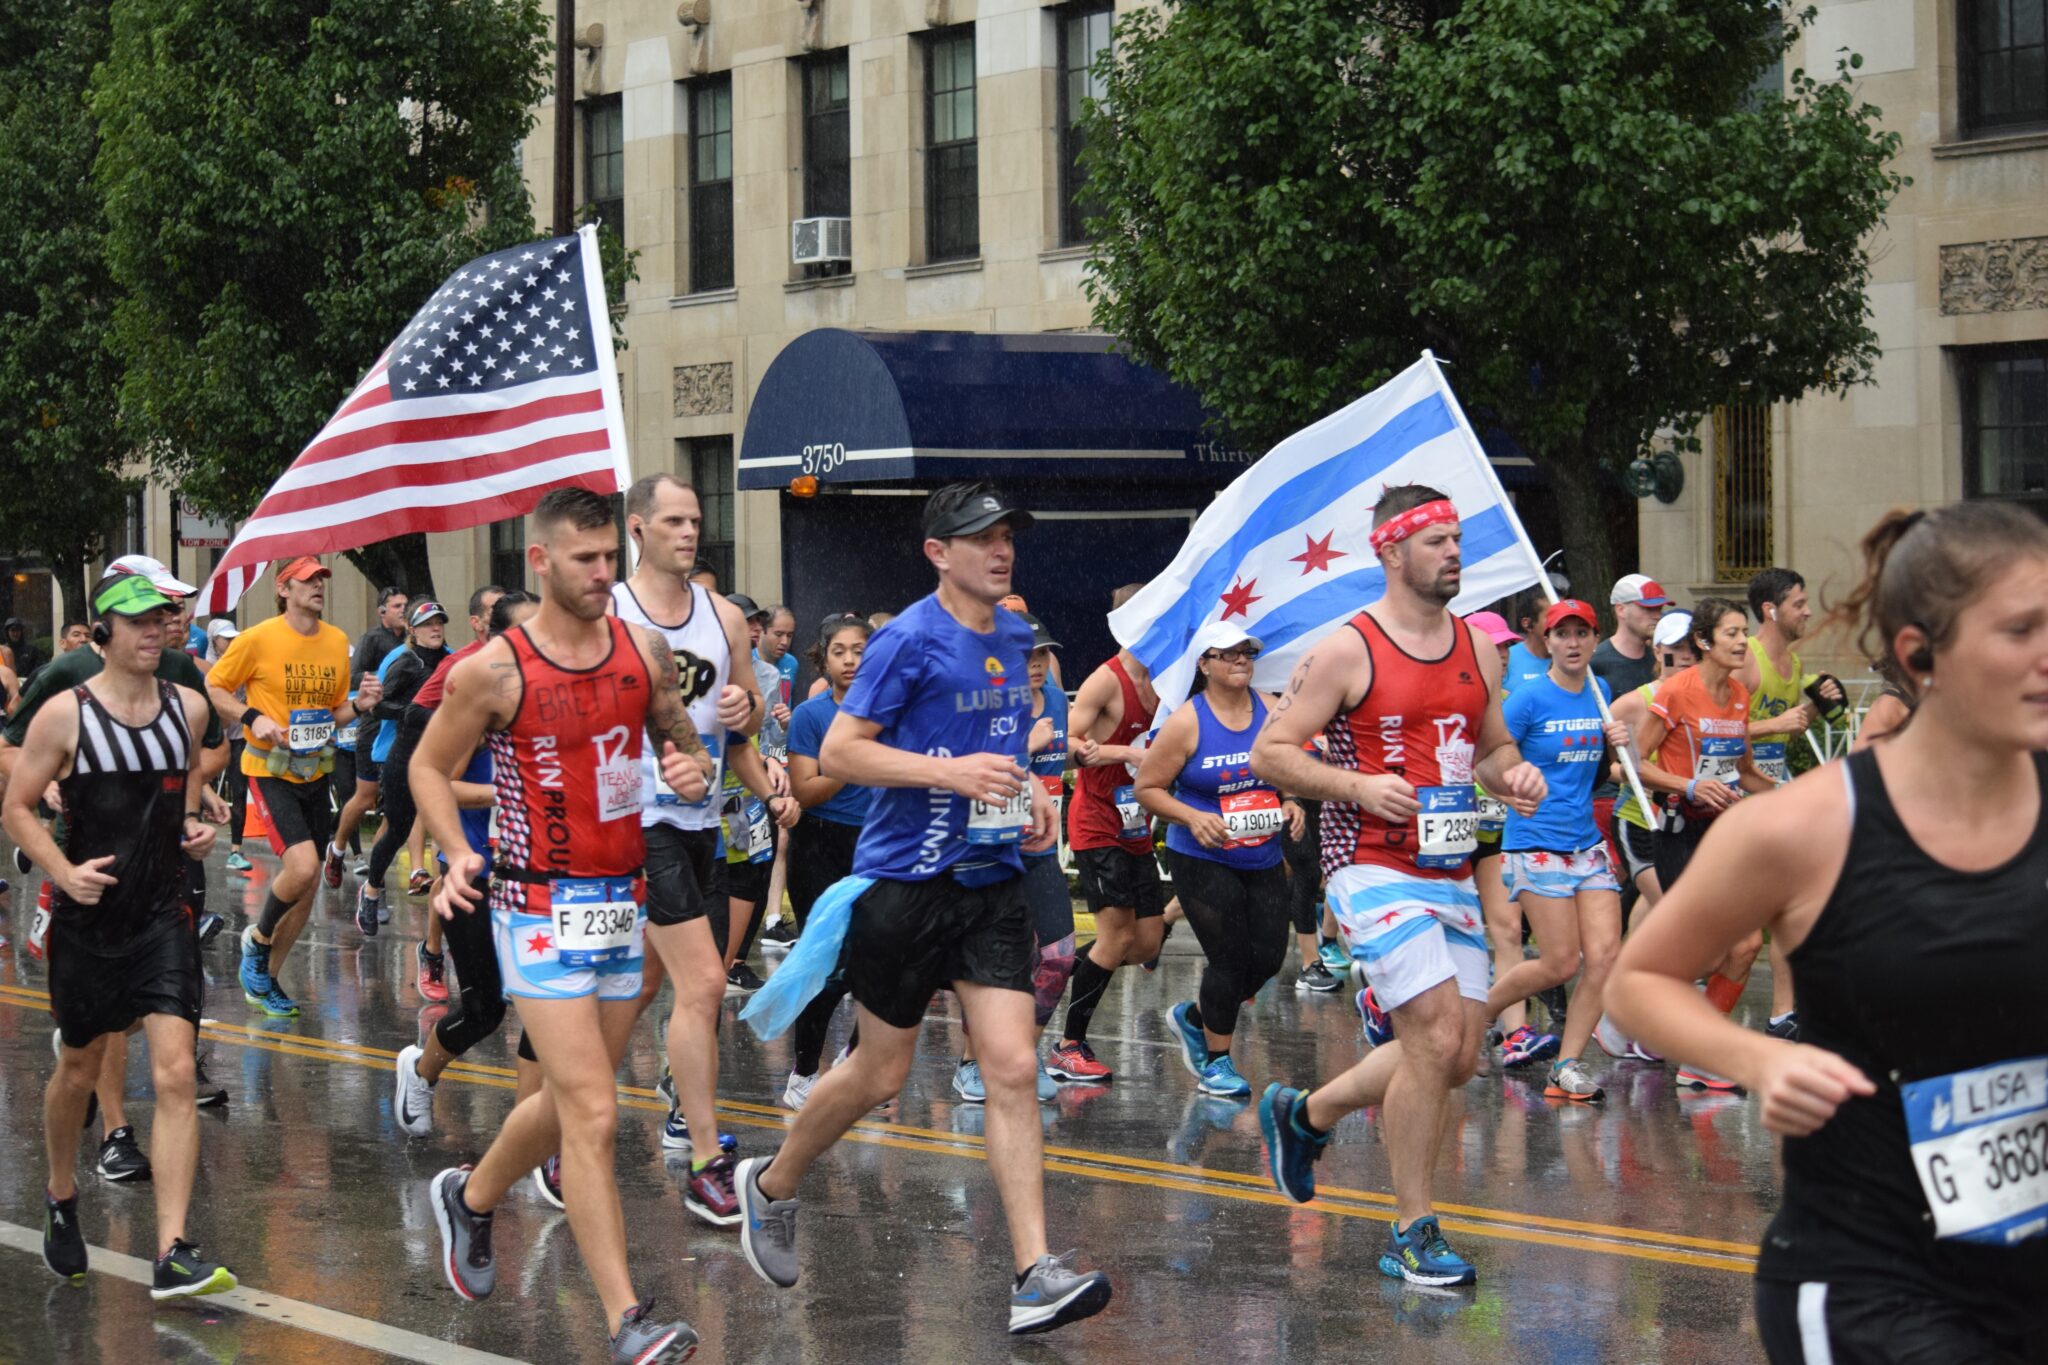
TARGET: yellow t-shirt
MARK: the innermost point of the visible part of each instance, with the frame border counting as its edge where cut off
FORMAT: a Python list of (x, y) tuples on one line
[(299, 681)]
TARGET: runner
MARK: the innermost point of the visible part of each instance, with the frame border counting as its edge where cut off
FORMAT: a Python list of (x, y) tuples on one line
[(1556, 865), (220, 633), (1698, 736), (1914, 1220), (1303, 859), (366, 661), (1222, 848), (946, 906), (480, 1006), (1529, 656), (122, 947), (402, 673), (1405, 693), (1521, 1045), (566, 700), (1112, 841), (294, 669), (747, 827), (703, 633)]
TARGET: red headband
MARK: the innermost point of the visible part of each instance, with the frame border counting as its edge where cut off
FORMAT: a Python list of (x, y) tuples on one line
[(1411, 521)]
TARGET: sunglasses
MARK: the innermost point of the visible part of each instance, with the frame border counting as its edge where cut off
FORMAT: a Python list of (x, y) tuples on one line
[(1245, 654)]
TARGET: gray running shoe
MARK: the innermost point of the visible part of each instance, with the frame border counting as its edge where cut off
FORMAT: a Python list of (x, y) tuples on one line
[(1569, 1080), (1054, 1294), (465, 1238), (640, 1342), (767, 1226), (412, 1099)]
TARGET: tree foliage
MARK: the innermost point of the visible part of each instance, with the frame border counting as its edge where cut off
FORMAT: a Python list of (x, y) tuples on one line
[(285, 182), (61, 449), (1588, 208)]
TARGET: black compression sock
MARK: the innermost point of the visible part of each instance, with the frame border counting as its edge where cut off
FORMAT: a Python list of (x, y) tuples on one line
[(274, 910), (1090, 980)]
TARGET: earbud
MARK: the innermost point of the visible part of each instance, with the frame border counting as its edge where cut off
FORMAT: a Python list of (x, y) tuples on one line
[(101, 634)]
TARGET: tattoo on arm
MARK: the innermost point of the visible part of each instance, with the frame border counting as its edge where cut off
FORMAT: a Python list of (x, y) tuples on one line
[(1285, 701), (667, 718)]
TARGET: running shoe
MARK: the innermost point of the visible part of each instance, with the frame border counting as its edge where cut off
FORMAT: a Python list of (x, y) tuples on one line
[(1552, 999), (547, 1179), (1291, 1153), (665, 1088), (433, 977), (384, 910), (1379, 1025), (121, 1157), (1612, 1040), (208, 928), (1570, 1081), (767, 1226), (1165, 934), (255, 970), (419, 883), (276, 1004), (465, 1238), (1194, 1044), (183, 1273), (1316, 977), (1053, 1293), (1526, 1046), (1071, 1061), (237, 863), (330, 866), (1638, 1053), (1422, 1256), (797, 1091), (709, 1193), (781, 932), (967, 1082), (1048, 1088), (642, 1342), (1220, 1077), (205, 1094), (412, 1099), (1786, 1028), (1336, 957), (675, 1131), (1699, 1078), (63, 1243), (360, 867), (22, 864), (742, 980), (367, 911)]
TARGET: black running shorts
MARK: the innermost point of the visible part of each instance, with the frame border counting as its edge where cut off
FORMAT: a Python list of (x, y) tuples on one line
[(1674, 849), (92, 993), (368, 769), (908, 939), (1851, 1323), (1112, 879), (748, 881), (300, 812), (1638, 847), (679, 873)]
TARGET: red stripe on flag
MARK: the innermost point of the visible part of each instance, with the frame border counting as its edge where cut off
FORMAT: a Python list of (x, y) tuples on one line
[(440, 474), (453, 427), (372, 395)]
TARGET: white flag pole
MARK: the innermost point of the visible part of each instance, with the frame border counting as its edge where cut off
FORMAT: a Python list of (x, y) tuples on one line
[(1626, 755)]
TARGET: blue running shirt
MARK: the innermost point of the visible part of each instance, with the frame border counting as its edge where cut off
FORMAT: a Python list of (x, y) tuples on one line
[(1521, 665), (1560, 733), (807, 727), (936, 687), (1049, 765)]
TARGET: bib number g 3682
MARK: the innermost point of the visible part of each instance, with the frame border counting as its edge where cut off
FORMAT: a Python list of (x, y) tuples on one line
[(1980, 1148)]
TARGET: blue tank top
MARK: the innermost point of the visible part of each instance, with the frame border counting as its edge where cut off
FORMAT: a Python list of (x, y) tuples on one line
[(1217, 779)]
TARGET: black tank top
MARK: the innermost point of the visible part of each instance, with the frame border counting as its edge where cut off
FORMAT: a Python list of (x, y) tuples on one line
[(1912, 971), (125, 795)]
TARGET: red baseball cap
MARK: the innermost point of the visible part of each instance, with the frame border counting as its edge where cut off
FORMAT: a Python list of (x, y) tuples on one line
[(1571, 609), (305, 566)]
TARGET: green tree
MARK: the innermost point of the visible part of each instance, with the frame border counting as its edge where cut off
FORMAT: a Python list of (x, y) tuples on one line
[(286, 182), (1600, 213), (60, 445)]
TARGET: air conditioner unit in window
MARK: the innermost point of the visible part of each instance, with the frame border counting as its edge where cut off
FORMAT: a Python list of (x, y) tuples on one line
[(814, 241)]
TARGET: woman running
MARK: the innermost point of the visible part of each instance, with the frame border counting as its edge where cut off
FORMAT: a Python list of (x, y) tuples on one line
[(1520, 1044), (1914, 1223), (821, 848), (1222, 849), (1555, 863)]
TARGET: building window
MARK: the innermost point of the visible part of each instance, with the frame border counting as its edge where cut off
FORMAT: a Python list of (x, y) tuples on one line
[(828, 138), (2003, 54), (1742, 491), (508, 553), (952, 167), (2005, 422), (711, 184), (1084, 36), (604, 162), (705, 462)]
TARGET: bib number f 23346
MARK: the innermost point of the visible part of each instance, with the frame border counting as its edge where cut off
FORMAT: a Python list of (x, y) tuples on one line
[(1980, 1148), (596, 920), (1447, 826)]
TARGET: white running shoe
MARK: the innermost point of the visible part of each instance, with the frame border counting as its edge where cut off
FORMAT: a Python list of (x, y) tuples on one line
[(798, 1090), (1612, 1040), (412, 1099)]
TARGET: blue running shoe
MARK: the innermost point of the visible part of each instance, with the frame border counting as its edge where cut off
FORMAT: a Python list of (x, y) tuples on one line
[(1291, 1154), (967, 1082), (1194, 1044), (255, 970), (1220, 1078), (237, 863), (275, 1003), (1525, 1046), (1336, 957), (1379, 1027), (1422, 1256)]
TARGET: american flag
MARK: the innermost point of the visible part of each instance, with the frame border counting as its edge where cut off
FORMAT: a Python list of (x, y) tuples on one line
[(502, 387)]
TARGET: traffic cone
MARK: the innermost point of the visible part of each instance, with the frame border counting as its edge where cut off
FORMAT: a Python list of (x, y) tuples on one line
[(258, 821)]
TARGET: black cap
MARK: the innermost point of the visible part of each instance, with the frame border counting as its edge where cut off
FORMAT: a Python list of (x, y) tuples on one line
[(1041, 638), (745, 604), (983, 507)]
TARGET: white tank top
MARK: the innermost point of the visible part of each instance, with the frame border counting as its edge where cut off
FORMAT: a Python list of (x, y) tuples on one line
[(703, 667)]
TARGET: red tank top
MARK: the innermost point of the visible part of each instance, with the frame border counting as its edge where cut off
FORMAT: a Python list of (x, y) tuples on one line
[(1096, 820), (567, 769), (1419, 719)]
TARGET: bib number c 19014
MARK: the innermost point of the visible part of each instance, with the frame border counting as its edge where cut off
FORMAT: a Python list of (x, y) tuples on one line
[(1252, 817), (1980, 1148)]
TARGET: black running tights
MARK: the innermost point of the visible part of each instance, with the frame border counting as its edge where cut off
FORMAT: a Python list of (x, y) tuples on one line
[(1240, 918), (395, 796), (1304, 858), (480, 1000)]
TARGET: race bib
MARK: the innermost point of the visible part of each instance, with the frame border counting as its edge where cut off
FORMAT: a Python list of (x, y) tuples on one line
[(651, 775), (1054, 791), (999, 824), (760, 830), (596, 919), (618, 788), (1447, 826), (1492, 814), (1720, 759), (1980, 1148), (345, 736), (1130, 812), (1252, 817), (309, 729), (1770, 760)]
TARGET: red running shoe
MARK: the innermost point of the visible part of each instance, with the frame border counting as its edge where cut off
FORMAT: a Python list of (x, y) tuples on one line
[(1075, 1062), (433, 980)]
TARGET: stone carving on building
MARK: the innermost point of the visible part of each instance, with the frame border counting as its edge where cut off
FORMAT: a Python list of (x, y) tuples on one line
[(703, 390), (813, 38), (695, 17), (938, 13), (1994, 277), (589, 40)]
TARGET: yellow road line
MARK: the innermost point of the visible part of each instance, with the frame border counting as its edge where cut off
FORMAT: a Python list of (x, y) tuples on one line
[(1498, 1224)]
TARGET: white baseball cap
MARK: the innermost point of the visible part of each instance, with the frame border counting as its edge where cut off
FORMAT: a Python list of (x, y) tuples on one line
[(155, 572), (1673, 628), (1222, 635), (221, 628)]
